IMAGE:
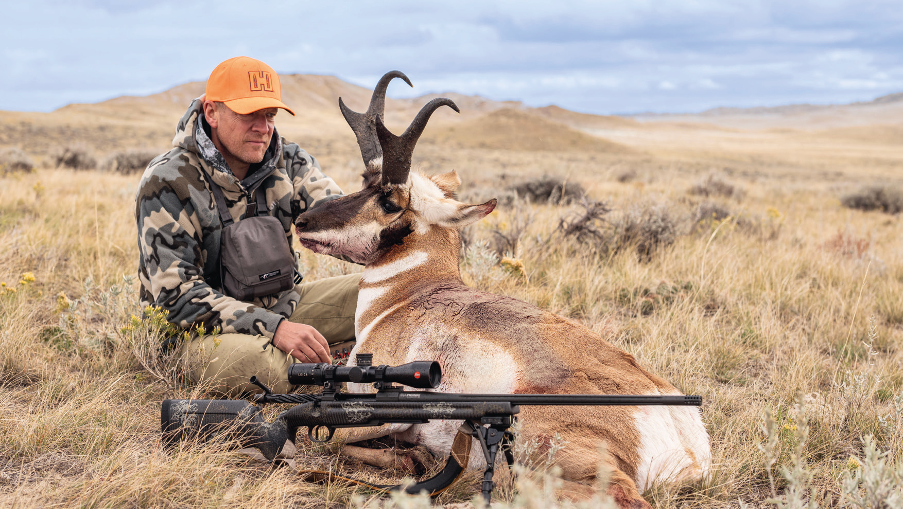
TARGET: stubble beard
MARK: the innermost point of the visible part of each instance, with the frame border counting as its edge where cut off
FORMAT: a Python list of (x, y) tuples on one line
[(246, 155)]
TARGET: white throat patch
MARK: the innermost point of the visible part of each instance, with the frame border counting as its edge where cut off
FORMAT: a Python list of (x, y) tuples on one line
[(383, 272), (366, 299)]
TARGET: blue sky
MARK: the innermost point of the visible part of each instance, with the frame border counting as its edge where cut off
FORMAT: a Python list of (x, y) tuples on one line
[(592, 56)]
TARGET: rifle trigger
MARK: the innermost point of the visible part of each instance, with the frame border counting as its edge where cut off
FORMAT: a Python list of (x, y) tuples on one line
[(315, 433)]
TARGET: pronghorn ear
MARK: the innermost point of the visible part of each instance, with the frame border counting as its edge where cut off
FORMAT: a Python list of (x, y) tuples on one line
[(447, 182), (468, 214)]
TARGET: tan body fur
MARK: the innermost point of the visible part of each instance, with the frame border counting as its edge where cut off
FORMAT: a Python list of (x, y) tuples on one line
[(413, 305)]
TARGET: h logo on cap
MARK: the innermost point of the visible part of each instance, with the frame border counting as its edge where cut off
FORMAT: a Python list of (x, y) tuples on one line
[(260, 81)]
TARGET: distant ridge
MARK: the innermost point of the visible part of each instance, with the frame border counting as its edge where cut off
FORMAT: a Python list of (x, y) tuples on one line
[(148, 121), (583, 120), (315, 100), (885, 99), (316, 96), (885, 110), (523, 130), (800, 108)]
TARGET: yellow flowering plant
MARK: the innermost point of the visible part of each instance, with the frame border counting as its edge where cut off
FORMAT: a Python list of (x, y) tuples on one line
[(514, 266)]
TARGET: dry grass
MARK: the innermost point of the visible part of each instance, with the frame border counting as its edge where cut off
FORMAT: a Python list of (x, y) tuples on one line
[(783, 307)]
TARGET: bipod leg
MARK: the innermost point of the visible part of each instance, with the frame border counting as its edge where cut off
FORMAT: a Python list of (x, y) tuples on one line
[(508, 447), (489, 438)]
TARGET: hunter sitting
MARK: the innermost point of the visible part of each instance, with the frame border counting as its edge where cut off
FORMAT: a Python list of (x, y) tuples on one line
[(205, 212)]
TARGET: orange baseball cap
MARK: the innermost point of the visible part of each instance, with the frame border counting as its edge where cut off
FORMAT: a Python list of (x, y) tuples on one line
[(245, 85)]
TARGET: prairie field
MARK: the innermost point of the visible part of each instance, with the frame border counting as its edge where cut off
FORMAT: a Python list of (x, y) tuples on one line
[(752, 258)]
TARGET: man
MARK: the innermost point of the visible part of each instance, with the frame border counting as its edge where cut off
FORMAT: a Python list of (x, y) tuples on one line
[(228, 137)]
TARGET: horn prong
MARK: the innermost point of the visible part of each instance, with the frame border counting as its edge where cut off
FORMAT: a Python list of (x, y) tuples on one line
[(363, 124), (397, 150), (378, 99)]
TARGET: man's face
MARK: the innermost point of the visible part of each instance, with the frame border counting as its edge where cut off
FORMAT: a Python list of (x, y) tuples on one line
[(242, 139)]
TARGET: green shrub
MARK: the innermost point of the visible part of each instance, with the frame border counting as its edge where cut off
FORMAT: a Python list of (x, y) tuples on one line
[(888, 199), (73, 157), (714, 185), (128, 161), (549, 190), (13, 160), (708, 213), (645, 226), (626, 176)]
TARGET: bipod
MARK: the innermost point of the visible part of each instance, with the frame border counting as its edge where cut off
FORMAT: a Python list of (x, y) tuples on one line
[(490, 437)]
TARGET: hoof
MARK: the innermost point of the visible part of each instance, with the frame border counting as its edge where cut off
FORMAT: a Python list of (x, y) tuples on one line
[(626, 500)]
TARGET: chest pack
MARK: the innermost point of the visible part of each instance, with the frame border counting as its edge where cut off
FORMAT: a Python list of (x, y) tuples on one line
[(255, 259)]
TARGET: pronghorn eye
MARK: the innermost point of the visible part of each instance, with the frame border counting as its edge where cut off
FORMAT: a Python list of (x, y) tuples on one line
[(388, 206)]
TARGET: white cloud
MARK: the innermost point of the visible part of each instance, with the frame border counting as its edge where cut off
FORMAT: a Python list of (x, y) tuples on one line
[(666, 85), (854, 84), (707, 84)]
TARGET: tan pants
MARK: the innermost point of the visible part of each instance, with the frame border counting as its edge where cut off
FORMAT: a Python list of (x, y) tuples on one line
[(228, 361)]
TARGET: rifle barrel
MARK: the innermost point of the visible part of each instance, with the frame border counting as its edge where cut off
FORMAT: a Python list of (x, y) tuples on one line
[(390, 397), (556, 399)]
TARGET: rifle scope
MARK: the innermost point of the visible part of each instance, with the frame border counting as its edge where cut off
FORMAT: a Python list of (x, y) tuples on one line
[(418, 374)]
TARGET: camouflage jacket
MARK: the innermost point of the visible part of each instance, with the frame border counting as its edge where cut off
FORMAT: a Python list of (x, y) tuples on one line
[(179, 226)]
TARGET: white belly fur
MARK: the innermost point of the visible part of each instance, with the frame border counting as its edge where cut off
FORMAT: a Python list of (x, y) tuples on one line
[(673, 445)]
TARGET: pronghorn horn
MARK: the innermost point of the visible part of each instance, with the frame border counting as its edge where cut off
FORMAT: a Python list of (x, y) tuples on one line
[(397, 150), (363, 123)]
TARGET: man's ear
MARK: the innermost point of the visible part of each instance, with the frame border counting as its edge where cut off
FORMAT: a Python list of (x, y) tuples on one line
[(211, 113)]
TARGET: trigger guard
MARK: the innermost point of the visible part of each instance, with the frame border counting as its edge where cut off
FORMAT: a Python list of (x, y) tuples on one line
[(312, 430)]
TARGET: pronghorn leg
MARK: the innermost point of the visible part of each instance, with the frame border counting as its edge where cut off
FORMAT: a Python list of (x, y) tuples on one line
[(578, 485), (412, 462), (624, 492), (579, 473), (575, 491), (580, 460)]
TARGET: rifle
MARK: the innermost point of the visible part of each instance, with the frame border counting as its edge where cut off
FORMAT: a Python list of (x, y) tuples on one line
[(487, 417)]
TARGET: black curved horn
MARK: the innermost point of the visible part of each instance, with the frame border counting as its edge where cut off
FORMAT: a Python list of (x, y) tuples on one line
[(363, 123), (397, 150)]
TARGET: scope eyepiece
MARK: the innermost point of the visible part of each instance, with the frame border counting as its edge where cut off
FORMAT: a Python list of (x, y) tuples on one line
[(418, 374)]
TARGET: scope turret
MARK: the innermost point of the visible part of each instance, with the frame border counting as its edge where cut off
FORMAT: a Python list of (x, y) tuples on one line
[(418, 374)]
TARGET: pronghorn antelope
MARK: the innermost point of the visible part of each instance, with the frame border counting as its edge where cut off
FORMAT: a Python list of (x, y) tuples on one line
[(413, 305)]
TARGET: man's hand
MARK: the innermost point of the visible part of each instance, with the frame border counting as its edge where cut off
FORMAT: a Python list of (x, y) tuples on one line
[(302, 342)]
